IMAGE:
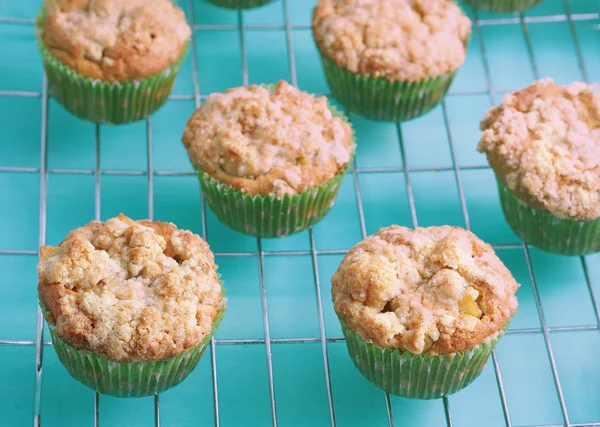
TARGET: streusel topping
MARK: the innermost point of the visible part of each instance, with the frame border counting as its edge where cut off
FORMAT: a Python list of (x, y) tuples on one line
[(130, 290), (264, 140), (435, 290), (405, 40), (544, 143), (115, 40)]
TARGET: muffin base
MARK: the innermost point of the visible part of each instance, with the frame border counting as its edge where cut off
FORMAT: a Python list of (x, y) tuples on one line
[(543, 230), (417, 376), (239, 4), (382, 99), (502, 6), (128, 379), (103, 101), (266, 216)]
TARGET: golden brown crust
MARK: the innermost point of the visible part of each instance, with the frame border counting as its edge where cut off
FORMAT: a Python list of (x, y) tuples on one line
[(130, 290), (436, 290), (115, 40), (268, 141), (543, 142), (403, 40)]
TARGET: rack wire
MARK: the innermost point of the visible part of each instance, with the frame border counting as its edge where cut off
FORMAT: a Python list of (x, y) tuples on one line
[(260, 254)]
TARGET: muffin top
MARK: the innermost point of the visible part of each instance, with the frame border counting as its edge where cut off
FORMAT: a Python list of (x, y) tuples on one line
[(544, 144), (268, 141), (404, 40), (115, 40), (130, 290), (435, 290)]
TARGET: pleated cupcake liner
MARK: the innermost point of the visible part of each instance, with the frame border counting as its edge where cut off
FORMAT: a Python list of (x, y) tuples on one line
[(268, 216), (383, 99), (502, 6), (103, 101), (128, 379), (545, 231), (239, 4), (417, 376)]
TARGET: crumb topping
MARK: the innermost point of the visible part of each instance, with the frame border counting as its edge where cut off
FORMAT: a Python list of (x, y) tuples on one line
[(273, 141), (115, 40), (404, 40), (544, 143), (130, 290), (435, 290)]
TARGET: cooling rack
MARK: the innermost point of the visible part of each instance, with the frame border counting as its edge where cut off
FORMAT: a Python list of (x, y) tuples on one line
[(279, 356)]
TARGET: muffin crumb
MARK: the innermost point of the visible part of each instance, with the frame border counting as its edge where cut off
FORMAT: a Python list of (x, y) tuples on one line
[(403, 40), (543, 142), (435, 290), (130, 290), (115, 40), (268, 141)]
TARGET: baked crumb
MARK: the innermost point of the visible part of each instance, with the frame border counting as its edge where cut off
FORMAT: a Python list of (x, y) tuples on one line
[(130, 290), (404, 40), (435, 290), (115, 40), (268, 141), (544, 143)]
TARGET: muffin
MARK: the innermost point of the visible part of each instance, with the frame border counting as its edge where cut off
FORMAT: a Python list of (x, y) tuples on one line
[(543, 143), (131, 305), (239, 4), (422, 309), (390, 59), (502, 6), (112, 61), (270, 159)]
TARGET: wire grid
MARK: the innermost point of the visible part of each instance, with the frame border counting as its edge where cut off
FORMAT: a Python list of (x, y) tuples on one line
[(98, 173)]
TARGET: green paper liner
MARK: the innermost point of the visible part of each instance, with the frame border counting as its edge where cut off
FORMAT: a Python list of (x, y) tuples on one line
[(239, 4), (103, 101), (502, 6), (266, 216), (128, 379), (543, 230), (417, 376), (383, 99)]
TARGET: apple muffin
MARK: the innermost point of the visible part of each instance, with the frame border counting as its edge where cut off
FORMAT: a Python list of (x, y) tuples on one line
[(270, 159), (126, 293), (390, 59), (112, 61), (543, 143), (420, 304)]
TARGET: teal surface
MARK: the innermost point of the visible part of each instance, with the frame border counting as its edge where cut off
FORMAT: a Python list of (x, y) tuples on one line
[(375, 195)]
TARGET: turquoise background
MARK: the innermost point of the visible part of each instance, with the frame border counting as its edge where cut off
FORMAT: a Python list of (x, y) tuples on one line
[(300, 384)]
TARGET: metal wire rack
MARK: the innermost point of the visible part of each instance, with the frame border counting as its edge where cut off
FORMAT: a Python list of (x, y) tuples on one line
[(322, 339)]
